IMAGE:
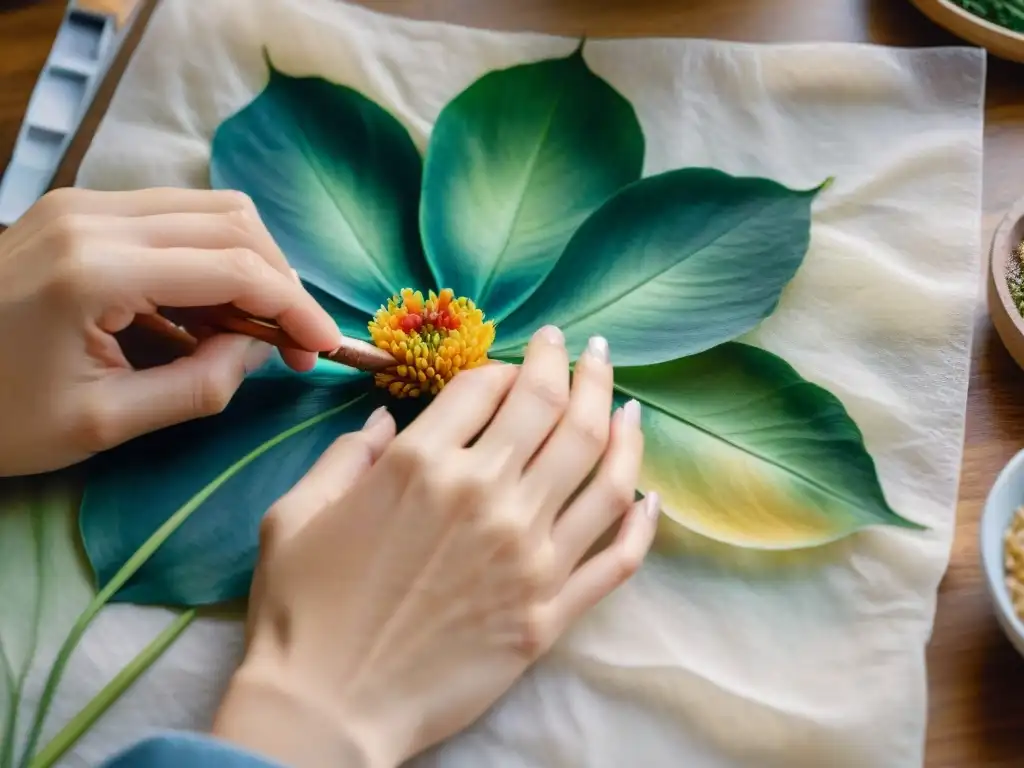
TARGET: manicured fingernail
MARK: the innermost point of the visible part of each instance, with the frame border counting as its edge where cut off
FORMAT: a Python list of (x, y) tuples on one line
[(597, 348), (631, 414), (376, 417), (257, 355), (551, 335), (652, 505)]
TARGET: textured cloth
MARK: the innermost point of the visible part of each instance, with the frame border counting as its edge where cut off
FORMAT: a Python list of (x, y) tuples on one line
[(698, 661)]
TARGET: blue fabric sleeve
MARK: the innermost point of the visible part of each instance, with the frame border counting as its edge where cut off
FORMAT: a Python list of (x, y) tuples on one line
[(178, 750)]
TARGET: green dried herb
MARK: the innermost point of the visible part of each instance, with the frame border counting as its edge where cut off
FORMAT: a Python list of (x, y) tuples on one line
[(1005, 13), (1015, 277)]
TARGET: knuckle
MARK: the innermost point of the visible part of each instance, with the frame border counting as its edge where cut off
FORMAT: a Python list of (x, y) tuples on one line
[(245, 261), (534, 635), (553, 394), (409, 457), (58, 201), (236, 200), (620, 492), (66, 233), (591, 430), (506, 534), (69, 273), (214, 391), (537, 572), (627, 563), (94, 427), (239, 224), (270, 526)]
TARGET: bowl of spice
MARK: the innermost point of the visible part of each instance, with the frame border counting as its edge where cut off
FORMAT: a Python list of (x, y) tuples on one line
[(996, 25), (1006, 282), (1002, 548)]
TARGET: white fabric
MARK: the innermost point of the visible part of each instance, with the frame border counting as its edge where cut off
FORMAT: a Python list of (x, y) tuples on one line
[(699, 661)]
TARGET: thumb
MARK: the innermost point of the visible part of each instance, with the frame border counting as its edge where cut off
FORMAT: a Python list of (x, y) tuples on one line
[(330, 478), (192, 387)]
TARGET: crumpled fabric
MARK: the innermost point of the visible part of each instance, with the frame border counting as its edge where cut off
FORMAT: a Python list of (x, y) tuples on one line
[(706, 659)]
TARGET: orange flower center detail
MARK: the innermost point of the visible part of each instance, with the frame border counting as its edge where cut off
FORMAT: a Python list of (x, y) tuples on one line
[(433, 339)]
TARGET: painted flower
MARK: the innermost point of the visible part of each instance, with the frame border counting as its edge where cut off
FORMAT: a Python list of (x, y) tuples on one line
[(527, 208)]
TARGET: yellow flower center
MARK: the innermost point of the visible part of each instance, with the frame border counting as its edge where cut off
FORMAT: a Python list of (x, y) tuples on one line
[(433, 339)]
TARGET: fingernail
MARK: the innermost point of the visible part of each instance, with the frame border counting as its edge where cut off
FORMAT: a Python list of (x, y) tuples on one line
[(597, 348), (631, 414), (376, 417), (652, 505), (551, 335), (257, 355)]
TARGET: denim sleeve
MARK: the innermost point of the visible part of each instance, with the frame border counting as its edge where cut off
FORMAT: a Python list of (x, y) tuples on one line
[(178, 750)]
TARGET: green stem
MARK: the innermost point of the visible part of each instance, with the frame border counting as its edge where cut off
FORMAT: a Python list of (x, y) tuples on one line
[(112, 691), (139, 558), (38, 535)]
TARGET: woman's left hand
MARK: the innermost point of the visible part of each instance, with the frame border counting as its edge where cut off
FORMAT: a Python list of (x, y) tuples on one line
[(80, 265)]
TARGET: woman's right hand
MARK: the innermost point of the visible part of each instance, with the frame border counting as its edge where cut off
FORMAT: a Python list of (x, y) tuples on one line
[(407, 582)]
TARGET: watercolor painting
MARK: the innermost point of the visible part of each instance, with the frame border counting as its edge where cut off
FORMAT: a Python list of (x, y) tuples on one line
[(528, 207)]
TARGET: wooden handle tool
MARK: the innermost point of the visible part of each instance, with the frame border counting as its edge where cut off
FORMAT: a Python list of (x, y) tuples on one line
[(228, 319)]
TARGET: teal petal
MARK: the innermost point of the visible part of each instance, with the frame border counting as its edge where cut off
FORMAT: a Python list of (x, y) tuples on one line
[(132, 490), (516, 162), (673, 265), (336, 180)]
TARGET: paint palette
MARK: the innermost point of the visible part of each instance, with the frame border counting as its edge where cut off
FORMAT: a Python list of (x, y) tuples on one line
[(77, 62)]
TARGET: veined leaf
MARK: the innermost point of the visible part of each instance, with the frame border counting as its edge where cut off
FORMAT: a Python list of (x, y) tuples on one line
[(672, 265), (45, 583), (745, 451), (516, 162), (135, 488), (336, 180)]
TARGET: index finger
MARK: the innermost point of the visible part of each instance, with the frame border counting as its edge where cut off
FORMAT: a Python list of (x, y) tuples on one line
[(191, 277), (464, 407)]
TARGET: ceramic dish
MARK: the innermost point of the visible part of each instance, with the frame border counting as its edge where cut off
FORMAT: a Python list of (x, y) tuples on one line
[(1006, 496), (999, 41)]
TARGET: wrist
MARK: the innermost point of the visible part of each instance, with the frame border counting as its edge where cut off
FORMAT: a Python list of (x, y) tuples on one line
[(273, 714)]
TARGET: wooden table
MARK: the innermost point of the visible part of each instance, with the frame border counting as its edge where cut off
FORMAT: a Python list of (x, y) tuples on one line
[(976, 679)]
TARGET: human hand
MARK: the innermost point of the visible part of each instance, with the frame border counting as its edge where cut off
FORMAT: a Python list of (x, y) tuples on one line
[(80, 265), (406, 582)]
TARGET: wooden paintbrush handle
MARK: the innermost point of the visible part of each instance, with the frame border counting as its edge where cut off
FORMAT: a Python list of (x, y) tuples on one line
[(352, 352)]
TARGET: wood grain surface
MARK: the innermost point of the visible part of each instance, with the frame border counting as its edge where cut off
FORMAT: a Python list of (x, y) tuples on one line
[(976, 679)]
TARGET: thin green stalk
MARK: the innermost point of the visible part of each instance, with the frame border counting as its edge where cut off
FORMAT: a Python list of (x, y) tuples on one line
[(139, 558), (11, 732), (112, 691)]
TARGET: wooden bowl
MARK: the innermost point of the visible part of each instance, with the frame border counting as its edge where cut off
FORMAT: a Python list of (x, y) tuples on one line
[(997, 40), (1007, 320)]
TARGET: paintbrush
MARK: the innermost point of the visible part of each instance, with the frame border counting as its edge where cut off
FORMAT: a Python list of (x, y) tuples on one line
[(229, 319)]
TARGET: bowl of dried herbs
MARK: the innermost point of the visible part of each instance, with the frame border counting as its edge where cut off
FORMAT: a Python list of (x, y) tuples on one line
[(1006, 282), (996, 25)]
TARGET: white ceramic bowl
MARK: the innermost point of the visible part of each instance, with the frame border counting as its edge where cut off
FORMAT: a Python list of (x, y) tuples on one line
[(1006, 496)]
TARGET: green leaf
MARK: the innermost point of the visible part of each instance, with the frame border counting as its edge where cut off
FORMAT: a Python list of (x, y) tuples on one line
[(745, 451), (336, 180), (134, 489), (516, 162), (672, 265), (45, 583)]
